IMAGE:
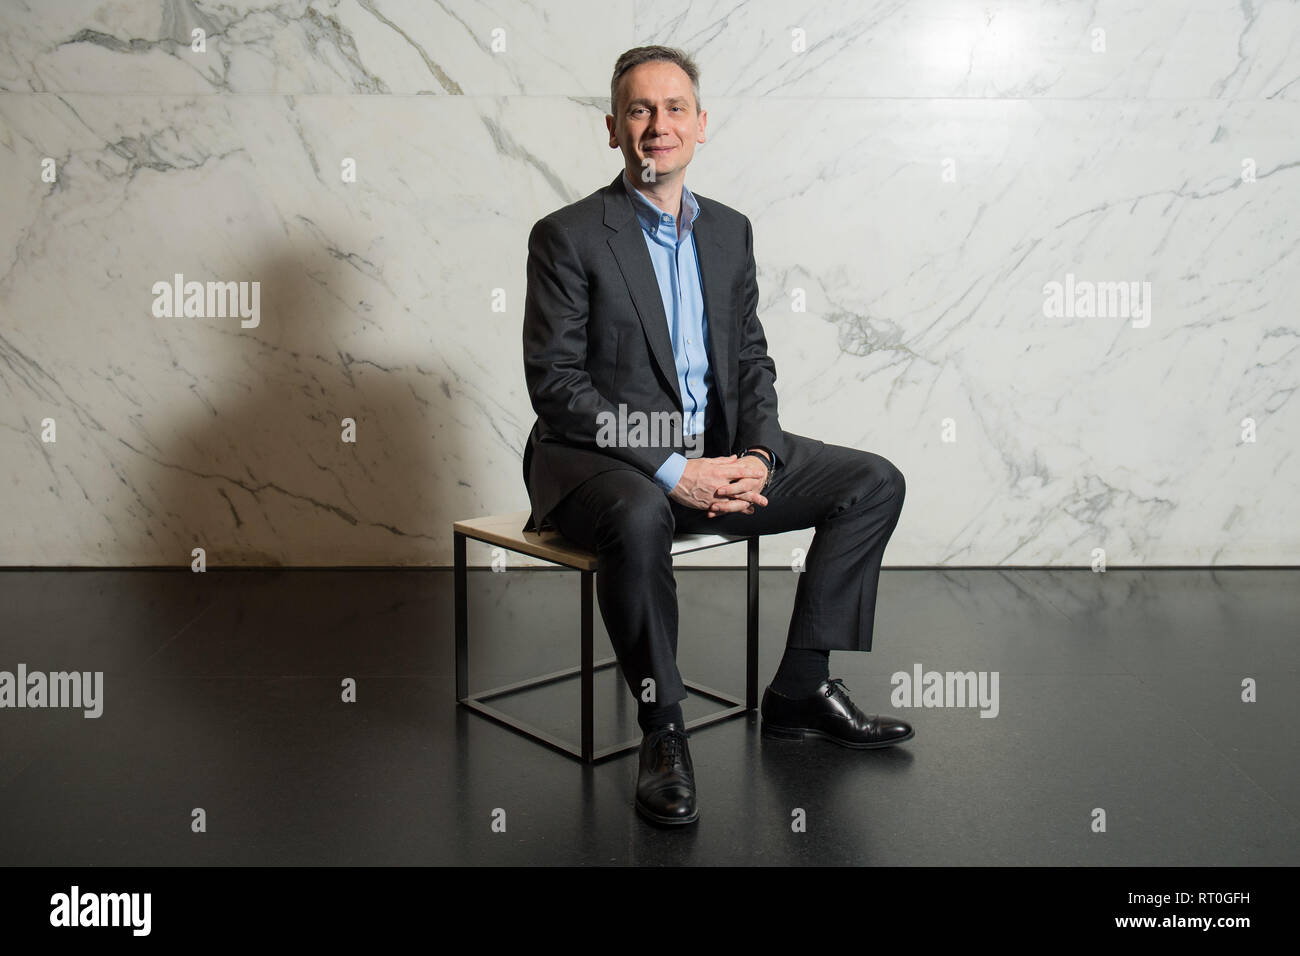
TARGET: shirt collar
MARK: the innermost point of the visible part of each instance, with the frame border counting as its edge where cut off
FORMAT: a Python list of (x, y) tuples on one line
[(652, 217)]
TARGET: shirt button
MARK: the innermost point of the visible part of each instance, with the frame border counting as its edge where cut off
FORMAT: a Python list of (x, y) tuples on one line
[(690, 341)]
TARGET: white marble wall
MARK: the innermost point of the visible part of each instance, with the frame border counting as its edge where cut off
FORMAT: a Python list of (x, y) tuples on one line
[(924, 292)]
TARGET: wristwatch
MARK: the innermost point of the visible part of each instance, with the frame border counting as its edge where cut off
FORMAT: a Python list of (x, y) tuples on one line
[(770, 465)]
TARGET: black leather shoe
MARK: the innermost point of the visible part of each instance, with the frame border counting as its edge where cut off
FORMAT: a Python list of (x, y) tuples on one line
[(665, 786), (829, 713)]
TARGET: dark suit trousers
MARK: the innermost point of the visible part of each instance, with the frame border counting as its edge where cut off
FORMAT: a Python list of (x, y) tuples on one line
[(852, 498)]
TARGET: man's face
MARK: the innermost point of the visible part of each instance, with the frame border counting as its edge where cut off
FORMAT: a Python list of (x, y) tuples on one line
[(657, 120)]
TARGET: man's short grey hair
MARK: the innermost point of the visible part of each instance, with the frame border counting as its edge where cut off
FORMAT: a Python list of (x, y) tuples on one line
[(650, 54)]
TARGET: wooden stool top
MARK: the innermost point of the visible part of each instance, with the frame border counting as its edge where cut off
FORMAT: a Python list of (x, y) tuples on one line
[(507, 531)]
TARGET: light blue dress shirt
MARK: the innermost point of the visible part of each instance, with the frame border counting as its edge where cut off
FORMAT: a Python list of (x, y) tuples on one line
[(677, 268)]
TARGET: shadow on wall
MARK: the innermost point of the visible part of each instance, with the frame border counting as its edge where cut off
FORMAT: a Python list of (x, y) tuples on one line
[(252, 466)]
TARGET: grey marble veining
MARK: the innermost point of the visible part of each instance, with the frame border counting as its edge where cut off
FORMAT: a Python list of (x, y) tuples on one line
[(1214, 49), (916, 179)]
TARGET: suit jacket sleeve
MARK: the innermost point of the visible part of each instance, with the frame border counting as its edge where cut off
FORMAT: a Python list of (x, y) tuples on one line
[(758, 424), (556, 314)]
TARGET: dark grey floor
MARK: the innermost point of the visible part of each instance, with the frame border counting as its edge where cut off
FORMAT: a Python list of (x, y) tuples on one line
[(1118, 691)]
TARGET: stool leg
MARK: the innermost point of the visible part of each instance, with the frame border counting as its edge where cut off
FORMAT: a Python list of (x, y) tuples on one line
[(588, 662), (462, 623), (751, 625)]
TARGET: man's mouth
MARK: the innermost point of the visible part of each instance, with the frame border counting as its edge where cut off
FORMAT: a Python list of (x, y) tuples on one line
[(659, 149)]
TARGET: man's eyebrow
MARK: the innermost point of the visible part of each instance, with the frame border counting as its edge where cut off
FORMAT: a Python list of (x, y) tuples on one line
[(642, 99)]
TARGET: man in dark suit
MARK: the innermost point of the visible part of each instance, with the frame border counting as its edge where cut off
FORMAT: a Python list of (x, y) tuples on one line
[(657, 413)]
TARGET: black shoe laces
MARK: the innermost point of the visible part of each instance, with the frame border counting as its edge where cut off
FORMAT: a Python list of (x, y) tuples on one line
[(670, 744), (836, 683)]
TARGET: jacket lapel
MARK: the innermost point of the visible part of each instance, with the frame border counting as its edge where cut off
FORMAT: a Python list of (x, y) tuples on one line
[(718, 309)]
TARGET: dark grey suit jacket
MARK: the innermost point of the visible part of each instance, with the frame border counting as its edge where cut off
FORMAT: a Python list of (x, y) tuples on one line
[(595, 336)]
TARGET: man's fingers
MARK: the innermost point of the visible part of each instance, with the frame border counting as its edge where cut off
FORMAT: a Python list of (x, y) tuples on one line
[(741, 469), (753, 497), (739, 489), (730, 506)]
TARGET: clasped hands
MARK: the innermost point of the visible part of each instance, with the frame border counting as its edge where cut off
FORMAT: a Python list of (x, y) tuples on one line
[(723, 485)]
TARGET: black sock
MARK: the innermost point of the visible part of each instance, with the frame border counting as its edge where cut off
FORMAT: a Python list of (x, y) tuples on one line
[(651, 717), (801, 670)]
